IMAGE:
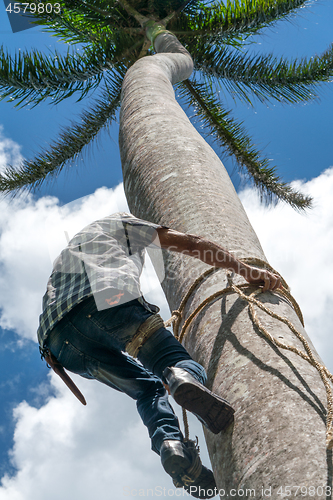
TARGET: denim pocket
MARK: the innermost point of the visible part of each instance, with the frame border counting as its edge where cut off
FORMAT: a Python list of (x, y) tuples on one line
[(111, 319), (83, 309), (71, 358)]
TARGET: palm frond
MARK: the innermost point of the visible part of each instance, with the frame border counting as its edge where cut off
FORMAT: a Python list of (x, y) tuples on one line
[(94, 13), (189, 6), (78, 23), (232, 17), (233, 138), (265, 76), (70, 30), (49, 163), (93, 10), (33, 77), (162, 8)]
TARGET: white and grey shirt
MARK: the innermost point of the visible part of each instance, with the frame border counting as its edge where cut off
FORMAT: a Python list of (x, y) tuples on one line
[(105, 260)]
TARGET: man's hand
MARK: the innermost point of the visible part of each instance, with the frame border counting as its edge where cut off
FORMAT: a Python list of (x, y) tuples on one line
[(261, 277)]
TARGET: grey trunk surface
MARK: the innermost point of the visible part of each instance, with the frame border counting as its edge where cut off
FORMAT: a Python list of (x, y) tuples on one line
[(173, 177)]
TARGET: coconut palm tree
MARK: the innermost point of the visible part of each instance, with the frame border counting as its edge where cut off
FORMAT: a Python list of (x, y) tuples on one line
[(173, 177), (112, 36)]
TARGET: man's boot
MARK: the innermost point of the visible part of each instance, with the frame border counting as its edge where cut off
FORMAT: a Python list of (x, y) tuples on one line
[(182, 462), (214, 412)]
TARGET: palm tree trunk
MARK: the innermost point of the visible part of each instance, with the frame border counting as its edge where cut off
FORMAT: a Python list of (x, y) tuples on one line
[(173, 177)]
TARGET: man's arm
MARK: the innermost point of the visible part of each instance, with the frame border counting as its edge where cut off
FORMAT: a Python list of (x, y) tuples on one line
[(214, 255)]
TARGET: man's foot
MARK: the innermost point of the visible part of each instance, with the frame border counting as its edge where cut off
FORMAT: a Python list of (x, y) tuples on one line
[(182, 462), (213, 411)]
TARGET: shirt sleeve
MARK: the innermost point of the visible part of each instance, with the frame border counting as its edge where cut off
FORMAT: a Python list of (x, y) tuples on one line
[(140, 233)]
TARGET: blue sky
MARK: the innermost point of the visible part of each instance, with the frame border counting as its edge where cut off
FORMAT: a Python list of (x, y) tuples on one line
[(297, 138)]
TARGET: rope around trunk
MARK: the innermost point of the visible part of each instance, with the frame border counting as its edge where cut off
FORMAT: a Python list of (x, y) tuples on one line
[(324, 373)]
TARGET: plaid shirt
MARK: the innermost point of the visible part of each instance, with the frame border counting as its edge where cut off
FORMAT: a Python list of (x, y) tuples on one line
[(105, 260)]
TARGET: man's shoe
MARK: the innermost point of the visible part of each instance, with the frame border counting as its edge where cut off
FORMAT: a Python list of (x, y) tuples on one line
[(182, 462), (175, 458), (214, 412)]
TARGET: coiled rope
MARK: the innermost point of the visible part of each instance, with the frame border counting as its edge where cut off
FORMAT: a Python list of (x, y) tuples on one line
[(177, 317)]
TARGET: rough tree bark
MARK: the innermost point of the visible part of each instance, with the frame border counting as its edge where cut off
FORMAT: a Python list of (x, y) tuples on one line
[(173, 177)]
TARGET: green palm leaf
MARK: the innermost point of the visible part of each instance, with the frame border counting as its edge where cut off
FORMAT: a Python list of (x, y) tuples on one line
[(233, 138), (233, 17), (265, 76), (76, 28), (32, 77), (188, 6), (49, 163), (86, 14)]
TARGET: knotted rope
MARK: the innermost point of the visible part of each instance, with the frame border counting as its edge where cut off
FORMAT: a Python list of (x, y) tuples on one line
[(324, 373), (144, 332), (194, 471)]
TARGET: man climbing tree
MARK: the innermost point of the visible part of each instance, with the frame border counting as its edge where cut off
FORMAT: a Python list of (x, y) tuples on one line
[(94, 309)]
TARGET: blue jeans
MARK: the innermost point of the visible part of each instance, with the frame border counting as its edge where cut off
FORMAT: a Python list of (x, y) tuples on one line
[(90, 343)]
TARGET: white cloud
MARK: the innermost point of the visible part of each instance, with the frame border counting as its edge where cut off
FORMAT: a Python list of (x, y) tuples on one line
[(32, 233), (70, 451), (300, 248), (79, 452), (10, 151)]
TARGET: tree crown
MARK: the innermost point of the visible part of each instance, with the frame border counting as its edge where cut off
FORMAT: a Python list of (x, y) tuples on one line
[(113, 34)]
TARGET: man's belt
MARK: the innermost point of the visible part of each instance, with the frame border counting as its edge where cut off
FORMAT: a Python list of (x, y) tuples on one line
[(144, 332)]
